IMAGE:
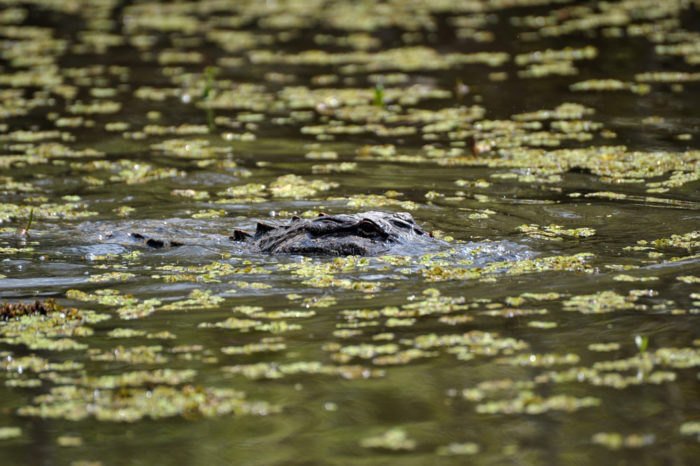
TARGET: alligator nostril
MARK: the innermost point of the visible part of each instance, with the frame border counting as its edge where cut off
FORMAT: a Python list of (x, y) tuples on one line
[(155, 243)]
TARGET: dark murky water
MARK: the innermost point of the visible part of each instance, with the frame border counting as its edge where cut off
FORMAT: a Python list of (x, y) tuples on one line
[(552, 144)]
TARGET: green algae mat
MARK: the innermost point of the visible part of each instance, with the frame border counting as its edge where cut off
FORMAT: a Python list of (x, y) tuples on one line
[(552, 147)]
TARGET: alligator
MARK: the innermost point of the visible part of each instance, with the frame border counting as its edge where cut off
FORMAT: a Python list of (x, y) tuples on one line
[(362, 234)]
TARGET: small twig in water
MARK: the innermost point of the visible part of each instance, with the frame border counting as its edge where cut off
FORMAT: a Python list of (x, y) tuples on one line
[(642, 343), (379, 95), (25, 231)]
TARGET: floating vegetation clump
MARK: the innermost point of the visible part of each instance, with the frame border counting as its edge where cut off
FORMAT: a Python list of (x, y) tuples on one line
[(10, 432), (10, 311), (45, 325), (615, 440), (134, 404), (555, 232), (394, 439)]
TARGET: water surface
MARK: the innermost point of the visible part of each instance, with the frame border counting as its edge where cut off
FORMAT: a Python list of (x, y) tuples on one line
[(553, 146)]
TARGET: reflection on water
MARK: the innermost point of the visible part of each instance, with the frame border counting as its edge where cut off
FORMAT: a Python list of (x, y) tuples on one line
[(551, 148)]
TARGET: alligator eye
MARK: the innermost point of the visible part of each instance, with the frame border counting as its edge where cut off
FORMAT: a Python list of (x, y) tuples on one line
[(400, 223), (368, 229)]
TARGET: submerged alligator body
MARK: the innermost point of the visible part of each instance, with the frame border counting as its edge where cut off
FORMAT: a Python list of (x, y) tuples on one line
[(363, 234)]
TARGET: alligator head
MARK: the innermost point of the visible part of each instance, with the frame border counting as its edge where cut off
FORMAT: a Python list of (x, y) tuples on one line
[(362, 234)]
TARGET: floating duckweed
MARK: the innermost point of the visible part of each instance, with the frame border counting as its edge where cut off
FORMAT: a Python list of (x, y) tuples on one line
[(111, 277), (403, 357), (45, 211), (329, 281), (529, 403), (540, 360), (368, 351), (320, 302), (208, 273), (691, 428), (667, 77), (689, 241), (604, 347), (23, 383), (129, 171), (10, 432), (454, 449), (555, 232), (610, 85), (246, 191), (138, 378), (106, 296), (209, 213), (293, 186), (234, 323), (254, 311), (393, 439), (575, 263), (278, 326), (542, 324), (266, 345), (47, 326), (125, 333), (69, 441), (599, 303), (36, 364), (585, 53), (474, 342), (612, 164), (187, 148), (278, 371), (95, 107), (552, 296), (680, 358), (632, 278), (124, 211), (197, 299), (342, 167), (131, 355), (325, 155), (164, 335), (541, 70), (14, 310), (565, 111), (455, 320), (191, 193), (134, 404), (615, 440), (135, 310)]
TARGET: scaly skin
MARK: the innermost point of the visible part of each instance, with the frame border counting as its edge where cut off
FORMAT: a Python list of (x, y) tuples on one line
[(363, 234)]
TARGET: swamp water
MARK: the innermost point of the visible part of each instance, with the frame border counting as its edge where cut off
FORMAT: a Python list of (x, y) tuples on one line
[(552, 144)]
